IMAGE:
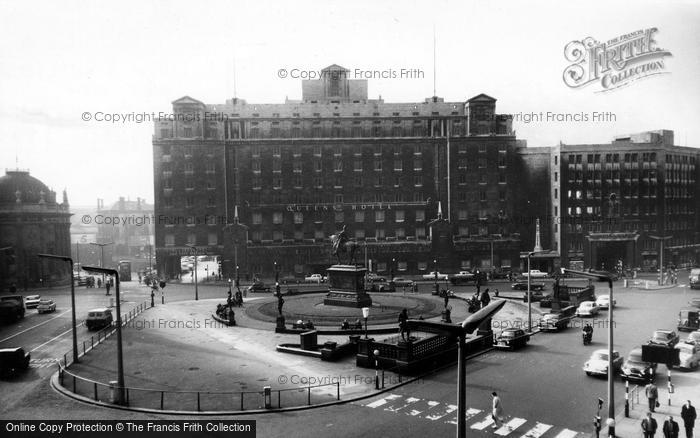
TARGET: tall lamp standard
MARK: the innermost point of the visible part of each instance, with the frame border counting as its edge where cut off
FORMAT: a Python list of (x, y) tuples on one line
[(196, 290), (529, 284), (120, 353), (365, 315), (437, 288), (102, 257), (72, 298), (277, 274), (611, 371), (662, 239)]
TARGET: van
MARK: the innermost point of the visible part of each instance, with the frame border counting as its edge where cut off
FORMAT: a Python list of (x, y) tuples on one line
[(694, 278), (99, 318), (13, 360)]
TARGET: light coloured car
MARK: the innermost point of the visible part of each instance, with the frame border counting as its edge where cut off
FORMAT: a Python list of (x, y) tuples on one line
[(31, 301), (46, 306), (693, 338), (689, 355), (535, 273), (587, 308), (431, 276), (597, 364), (314, 278), (603, 302)]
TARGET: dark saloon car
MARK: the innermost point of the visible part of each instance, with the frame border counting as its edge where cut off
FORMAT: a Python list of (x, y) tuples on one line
[(522, 285), (635, 368), (258, 286), (667, 338), (13, 360), (512, 338)]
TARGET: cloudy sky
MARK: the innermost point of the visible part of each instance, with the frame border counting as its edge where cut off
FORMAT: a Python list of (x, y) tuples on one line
[(59, 60)]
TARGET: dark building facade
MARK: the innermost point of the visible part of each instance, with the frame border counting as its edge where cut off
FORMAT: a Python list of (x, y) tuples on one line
[(295, 173), (32, 222), (609, 203)]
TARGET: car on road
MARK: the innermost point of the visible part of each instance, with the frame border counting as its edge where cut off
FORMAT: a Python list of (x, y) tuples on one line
[(258, 286), (99, 318), (688, 319), (603, 302), (535, 295), (597, 364), (461, 277), (694, 278), (667, 338), (13, 360), (637, 369), (693, 338), (31, 301), (688, 355), (587, 308), (11, 307), (372, 277), (431, 276), (522, 285), (512, 338), (314, 278), (403, 282), (46, 306), (535, 273), (552, 322)]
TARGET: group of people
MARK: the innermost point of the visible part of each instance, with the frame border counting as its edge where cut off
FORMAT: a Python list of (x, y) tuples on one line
[(670, 427)]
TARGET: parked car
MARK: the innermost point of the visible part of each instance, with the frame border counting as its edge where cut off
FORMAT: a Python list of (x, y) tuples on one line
[(315, 278), (31, 301), (258, 286), (461, 277), (381, 286), (99, 318), (372, 277), (535, 295), (693, 338), (403, 282), (597, 364), (535, 273), (668, 338), (552, 322), (688, 355), (635, 368), (431, 276), (522, 285), (512, 338), (694, 278), (503, 273), (13, 360), (587, 308), (603, 302), (46, 306)]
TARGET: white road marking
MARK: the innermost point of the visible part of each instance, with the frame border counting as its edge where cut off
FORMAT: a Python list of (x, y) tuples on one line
[(510, 426), (486, 422), (441, 413), (537, 431), (471, 412), (409, 401), (55, 337), (566, 433), (35, 326), (383, 401)]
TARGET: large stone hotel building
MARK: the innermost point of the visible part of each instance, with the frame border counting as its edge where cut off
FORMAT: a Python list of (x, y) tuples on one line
[(419, 185)]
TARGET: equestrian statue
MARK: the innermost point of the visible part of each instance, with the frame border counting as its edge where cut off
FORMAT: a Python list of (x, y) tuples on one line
[(341, 244)]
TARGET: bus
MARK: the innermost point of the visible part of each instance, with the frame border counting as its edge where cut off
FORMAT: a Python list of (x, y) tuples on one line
[(124, 270)]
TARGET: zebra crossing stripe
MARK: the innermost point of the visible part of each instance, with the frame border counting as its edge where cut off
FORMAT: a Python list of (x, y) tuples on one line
[(486, 422), (471, 412), (382, 401), (510, 426), (537, 431), (446, 410), (409, 401), (566, 433), (422, 407)]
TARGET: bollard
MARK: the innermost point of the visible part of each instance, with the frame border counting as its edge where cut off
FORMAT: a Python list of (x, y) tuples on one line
[(627, 397), (670, 386), (267, 396), (113, 391)]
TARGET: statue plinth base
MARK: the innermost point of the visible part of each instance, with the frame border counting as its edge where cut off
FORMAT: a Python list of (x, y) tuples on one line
[(281, 323), (347, 287)]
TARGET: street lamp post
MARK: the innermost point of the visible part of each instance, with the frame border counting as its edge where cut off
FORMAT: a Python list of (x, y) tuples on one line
[(102, 257), (437, 287), (391, 274), (529, 285), (120, 353), (662, 239), (277, 274), (196, 290), (365, 315), (72, 299), (376, 369), (611, 370)]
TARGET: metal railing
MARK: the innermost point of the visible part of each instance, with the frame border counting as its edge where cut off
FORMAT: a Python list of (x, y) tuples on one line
[(166, 399)]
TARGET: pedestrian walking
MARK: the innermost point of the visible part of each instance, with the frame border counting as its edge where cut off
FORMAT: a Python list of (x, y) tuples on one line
[(496, 411), (649, 426), (652, 394), (688, 415), (485, 298), (670, 428)]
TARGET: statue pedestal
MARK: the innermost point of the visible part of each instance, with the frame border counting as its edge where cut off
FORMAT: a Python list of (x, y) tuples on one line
[(347, 287), (281, 323)]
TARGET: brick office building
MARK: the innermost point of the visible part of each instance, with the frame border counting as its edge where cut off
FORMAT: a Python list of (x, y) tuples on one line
[(606, 201), (265, 185)]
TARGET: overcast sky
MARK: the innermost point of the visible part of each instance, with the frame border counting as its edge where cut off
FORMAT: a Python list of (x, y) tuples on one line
[(61, 59)]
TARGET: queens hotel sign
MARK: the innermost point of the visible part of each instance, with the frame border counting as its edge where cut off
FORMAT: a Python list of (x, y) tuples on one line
[(615, 63), (341, 207)]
